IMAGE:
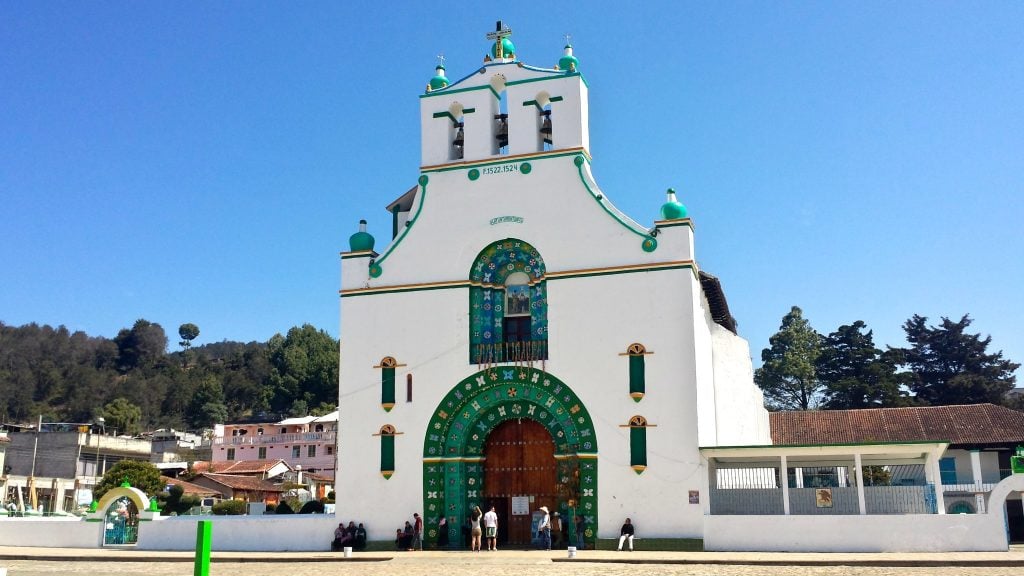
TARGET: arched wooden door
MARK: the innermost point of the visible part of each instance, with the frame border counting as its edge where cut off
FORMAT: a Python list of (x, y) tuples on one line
[(519, 468)]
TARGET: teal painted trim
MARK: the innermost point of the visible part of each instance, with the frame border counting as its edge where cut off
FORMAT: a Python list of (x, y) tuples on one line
[(408, 226), (529, 80), (445, 91), (394, 223), (833, 445), (530, 157), (547, 279), (648, 239), (94, 519), (468, 110), (538, 106), (443, 114), (687, 222), (363, 254)]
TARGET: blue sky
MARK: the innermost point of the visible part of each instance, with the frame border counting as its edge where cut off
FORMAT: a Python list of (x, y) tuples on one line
[(205, 162)]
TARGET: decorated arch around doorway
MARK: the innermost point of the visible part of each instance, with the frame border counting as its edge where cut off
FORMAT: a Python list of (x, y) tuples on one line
[(453, 446)]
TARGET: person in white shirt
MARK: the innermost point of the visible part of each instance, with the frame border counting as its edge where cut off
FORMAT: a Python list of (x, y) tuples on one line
[(491, 529), (544, 527)]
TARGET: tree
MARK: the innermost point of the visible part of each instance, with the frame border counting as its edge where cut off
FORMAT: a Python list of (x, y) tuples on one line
[(140, 346), (305, 367), (138, 474), (856, 374), (229, 508), (951, 366), (188, 333), (788, 376), (177, 502), (122, 415)]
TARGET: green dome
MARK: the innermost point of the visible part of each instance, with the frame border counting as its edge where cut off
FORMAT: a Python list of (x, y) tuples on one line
[(439, 81), (507, 47), (361, 241), (672, 209)]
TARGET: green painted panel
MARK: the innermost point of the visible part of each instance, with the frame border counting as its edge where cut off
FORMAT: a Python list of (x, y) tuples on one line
[(637, 376), (387, 387), (638, 447), (387, 454)]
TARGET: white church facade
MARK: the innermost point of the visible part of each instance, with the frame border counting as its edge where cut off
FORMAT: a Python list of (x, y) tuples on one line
[(520, 342)]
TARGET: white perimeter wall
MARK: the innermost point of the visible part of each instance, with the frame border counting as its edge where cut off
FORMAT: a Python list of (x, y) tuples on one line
[(51, 533), (908, 533)]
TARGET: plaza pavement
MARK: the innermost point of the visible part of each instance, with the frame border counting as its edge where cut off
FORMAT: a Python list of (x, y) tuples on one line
[(1010, 559)]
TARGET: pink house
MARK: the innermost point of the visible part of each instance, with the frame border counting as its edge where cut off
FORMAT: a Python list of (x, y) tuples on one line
[(307, 443)]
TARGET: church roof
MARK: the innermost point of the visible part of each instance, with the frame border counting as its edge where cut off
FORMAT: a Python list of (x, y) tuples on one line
[(960, 425), (716, 301)]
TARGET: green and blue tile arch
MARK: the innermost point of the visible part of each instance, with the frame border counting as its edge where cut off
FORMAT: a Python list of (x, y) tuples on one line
[(453, 445)]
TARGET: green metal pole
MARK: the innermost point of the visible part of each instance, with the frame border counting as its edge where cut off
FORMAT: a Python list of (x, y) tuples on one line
[(204, 531)]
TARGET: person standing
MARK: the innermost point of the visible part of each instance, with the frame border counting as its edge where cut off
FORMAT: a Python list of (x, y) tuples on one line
[(491, 529), (417, 532), (626, 533), (442, 533), (474, 526), (556, 530), (581, 530), (545, 528)]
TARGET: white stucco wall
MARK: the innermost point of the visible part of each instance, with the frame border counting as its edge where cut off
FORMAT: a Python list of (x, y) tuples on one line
[(50, 532), (740, 416), (853, 533), (286, 533)]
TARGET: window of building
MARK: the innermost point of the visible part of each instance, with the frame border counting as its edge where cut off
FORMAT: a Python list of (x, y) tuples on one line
[(318, 428), (330, 450), (284, 430), (295, 451), (508, 304), (231, 453), (311, 451), (947, 471), (263, 453), (387, 382), (259, 431)]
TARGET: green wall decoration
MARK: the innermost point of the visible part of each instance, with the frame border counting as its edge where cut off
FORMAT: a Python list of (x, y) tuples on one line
[(387, 382), (638, 426), (492, 266), (387, 450), (637, 370), (453, 446)]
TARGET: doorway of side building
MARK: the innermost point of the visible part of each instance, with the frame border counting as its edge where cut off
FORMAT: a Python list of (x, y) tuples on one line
[(520, 474)]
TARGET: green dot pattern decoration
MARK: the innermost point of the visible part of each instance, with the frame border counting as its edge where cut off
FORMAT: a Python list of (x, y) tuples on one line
[(473, 174), (649, 244), (525, 167), (578, 161), (375, 271), (423, 179)]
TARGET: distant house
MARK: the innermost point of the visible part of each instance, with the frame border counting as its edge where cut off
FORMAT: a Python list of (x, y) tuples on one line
[(262, 469), (239, 487), (981, 437), (192, 489), (307, 443)]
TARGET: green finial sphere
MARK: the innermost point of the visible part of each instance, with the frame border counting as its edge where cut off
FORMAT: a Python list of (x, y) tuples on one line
[(361, 241), (672, 209), (507, 47)]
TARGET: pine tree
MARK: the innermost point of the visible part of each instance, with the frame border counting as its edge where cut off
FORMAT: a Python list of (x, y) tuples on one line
[(856, 374), (951, 366), (788, 376)]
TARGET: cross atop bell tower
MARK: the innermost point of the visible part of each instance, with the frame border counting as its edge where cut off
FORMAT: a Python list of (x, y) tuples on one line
[(500, 33)]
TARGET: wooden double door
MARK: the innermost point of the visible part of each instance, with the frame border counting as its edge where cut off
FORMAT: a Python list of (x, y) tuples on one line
[(520, 476)]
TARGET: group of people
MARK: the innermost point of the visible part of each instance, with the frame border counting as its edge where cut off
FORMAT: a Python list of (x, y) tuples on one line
[(349, 536), (411, 537), (479, 525)]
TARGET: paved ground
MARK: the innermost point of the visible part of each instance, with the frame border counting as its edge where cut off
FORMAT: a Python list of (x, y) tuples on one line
[(70, 562)]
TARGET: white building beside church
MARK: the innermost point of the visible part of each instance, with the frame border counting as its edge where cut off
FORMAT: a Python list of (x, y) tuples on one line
[(520, 341)]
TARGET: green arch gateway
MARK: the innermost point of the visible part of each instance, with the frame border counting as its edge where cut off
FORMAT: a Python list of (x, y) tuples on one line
[(453, 448)]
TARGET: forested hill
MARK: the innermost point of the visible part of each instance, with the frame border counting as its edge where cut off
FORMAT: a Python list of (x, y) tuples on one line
[(136, 384)]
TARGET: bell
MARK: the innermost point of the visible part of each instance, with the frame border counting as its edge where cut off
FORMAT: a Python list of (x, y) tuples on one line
[(460, 137), (545, 130), (502, 133)]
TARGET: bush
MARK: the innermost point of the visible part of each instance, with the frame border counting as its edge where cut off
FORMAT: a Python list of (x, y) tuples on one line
[(229, 508), (284, 508), (312, 507)]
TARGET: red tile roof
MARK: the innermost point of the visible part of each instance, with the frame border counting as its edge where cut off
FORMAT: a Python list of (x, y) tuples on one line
[(963, 424), (247, 483), (237, 467), (190, 488)]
